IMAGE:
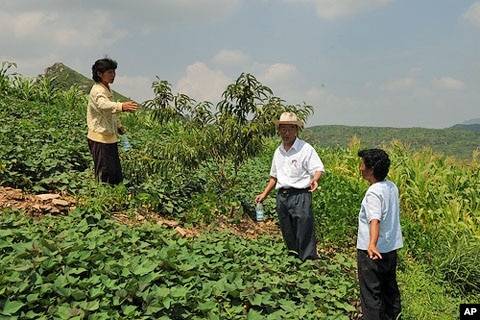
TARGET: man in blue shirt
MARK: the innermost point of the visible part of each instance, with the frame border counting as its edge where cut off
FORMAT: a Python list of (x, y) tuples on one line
[(379, 236)]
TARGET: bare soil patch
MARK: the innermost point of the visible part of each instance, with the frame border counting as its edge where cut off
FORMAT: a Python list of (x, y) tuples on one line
[(61, 204)]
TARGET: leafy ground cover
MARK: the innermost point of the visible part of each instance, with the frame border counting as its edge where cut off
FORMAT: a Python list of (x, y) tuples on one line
[(87, 266), (176, 240)]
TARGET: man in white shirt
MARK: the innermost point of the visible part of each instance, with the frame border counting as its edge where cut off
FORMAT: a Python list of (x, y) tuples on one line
[(296, 169)]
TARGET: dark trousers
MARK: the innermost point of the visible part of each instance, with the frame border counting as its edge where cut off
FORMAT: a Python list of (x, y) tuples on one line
[(106, 162), (379, 291), (297, 223)]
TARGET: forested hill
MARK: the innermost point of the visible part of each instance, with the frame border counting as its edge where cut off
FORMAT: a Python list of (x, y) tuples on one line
[(454, 141)]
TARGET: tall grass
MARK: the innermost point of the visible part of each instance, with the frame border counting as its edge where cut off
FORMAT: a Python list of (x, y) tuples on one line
[(439, 208)]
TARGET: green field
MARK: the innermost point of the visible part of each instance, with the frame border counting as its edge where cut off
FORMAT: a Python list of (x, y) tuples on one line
[(87, 265)]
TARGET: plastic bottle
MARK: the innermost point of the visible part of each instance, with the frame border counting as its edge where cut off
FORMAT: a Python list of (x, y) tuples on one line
[(259, 211), (125, 143)]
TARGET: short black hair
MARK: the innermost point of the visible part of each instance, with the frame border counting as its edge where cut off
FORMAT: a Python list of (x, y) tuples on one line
[(102, 65), (378, 160)]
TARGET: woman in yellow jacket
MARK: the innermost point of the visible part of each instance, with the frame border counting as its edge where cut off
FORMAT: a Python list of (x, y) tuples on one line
[(103, 124)]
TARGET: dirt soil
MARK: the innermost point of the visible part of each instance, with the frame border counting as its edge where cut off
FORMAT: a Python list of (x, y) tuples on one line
[(61, 204)]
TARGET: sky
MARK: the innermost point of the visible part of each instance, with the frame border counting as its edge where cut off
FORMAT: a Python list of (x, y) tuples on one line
[(382, 63)]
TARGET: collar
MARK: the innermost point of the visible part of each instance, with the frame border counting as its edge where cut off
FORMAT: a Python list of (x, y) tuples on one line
[(295, 145)]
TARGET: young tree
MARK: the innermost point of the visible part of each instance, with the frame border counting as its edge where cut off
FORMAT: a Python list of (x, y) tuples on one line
[(223, 138)]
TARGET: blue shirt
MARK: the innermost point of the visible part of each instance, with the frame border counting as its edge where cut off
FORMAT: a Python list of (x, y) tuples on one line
[(381, 203)]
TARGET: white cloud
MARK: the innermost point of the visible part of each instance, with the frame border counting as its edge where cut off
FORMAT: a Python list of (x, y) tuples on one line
[(448, 83), (231, 57), (137, 88), (202, 83), (415, 71), (43, 30), (279, 73), (472, 15), (76, 24), (28, 23), (139, 12), (400, 84), (56, 30), (333, 9)]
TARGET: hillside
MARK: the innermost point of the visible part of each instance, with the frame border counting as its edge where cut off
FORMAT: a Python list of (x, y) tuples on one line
[(65, 77), (472, 121), (462, 126), (456, 142)]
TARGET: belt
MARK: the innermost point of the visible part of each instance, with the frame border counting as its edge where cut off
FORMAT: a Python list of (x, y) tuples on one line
[(288, 191)]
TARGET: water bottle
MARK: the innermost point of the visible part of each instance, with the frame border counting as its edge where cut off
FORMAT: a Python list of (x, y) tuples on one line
[(259, 211), (125, 143)]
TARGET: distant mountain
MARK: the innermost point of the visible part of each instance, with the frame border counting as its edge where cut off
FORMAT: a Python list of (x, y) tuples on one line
[(473, 127), (65, 77), (472, 121), (472, 124)]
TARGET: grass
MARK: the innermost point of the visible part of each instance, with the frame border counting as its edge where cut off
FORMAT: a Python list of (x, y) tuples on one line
[(423, 296)]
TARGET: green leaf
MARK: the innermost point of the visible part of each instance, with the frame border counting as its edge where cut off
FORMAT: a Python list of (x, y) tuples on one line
[(89, 305), (207, 305), (144, 268), (179, 292), (11, 307), (129, 310)]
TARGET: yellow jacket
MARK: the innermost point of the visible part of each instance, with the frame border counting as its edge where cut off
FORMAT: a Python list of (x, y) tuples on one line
[(102, 112)]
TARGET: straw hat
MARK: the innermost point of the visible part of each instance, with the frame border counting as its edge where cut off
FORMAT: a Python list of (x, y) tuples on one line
[(288, 118)]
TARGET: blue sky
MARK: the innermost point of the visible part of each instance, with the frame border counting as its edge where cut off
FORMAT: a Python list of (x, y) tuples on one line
[(386, 63)]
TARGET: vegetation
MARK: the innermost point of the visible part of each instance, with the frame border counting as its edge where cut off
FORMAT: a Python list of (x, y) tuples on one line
[(459, 141), (88, 266)]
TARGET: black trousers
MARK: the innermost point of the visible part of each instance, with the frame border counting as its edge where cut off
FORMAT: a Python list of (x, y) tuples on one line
[(379, 293), (106, 162), (297, 223)]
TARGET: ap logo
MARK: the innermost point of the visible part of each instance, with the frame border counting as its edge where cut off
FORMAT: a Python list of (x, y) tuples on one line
[(470, 312)]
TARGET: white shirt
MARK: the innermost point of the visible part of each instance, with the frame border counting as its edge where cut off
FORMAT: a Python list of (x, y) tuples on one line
[(381, 203), (294, 168)]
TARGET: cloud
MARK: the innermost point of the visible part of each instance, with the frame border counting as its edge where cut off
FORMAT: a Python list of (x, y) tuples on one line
[(333, 9), (202, 83), (231, 57), (400, 84), (137, 88), (472, 15), (285, 81), (448, 83), (139, 12), (50, 23), (56, 30), (177, 12), (42, 30), (27, 23), (279, 73)]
